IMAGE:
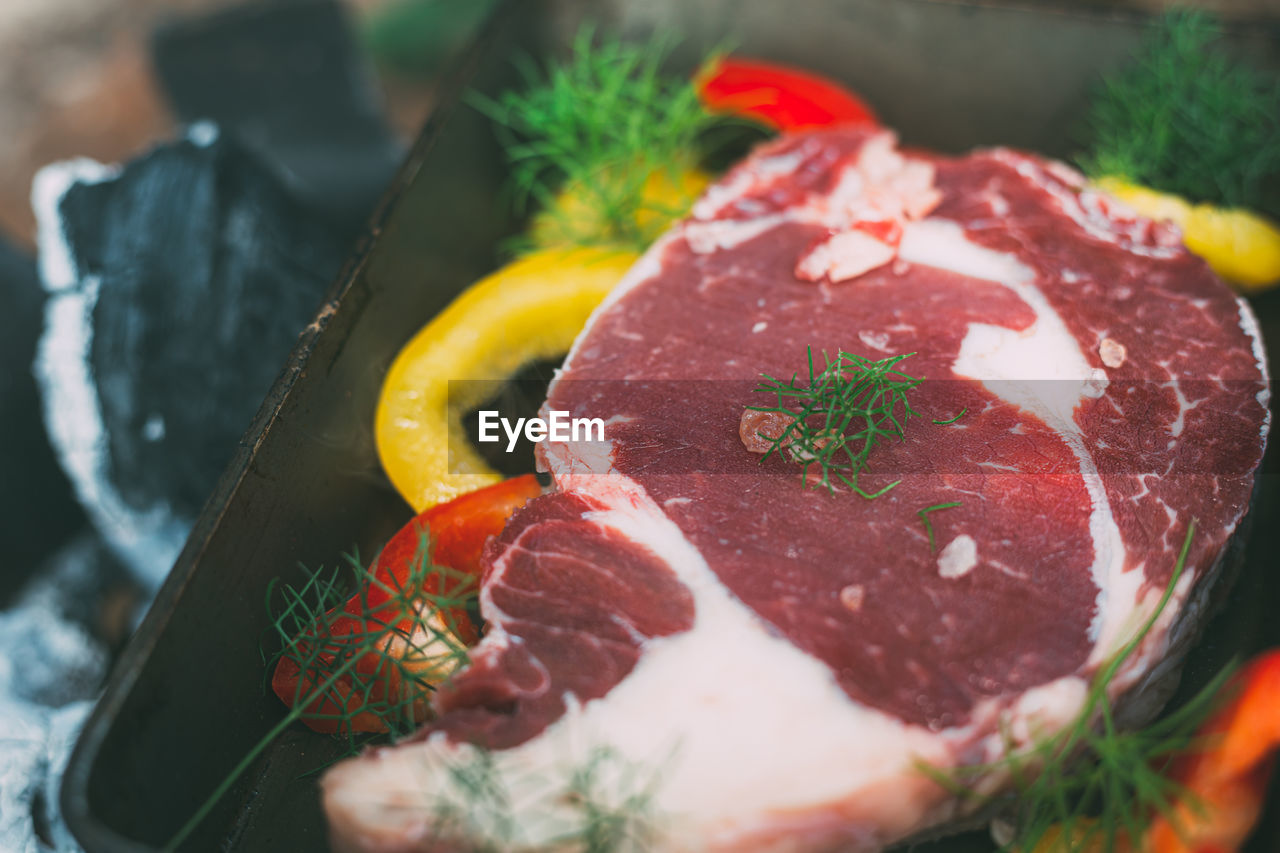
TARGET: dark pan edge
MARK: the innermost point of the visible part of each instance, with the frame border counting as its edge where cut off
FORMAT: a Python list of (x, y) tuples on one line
[(74, 802)]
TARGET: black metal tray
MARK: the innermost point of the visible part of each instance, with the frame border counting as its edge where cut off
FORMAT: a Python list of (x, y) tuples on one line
[(186, 699)]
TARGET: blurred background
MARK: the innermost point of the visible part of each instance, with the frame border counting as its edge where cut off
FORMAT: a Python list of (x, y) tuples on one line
[(180, 183), (78, 77)]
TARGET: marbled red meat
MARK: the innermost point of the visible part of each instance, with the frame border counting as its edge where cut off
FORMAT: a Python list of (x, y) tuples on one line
[(791, 652), (578, 601)]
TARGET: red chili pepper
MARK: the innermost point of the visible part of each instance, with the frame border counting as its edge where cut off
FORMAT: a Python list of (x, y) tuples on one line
[(457, 531), (1226, 781), (780, 96)]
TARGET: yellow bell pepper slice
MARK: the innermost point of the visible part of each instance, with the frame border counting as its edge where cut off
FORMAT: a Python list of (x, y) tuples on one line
[(1241, 246), (532, 308), (584, 212)]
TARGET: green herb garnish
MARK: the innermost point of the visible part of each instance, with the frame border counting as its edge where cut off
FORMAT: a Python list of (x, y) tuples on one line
[(410, 648), (924, 516), (614, 801), (1091, 781), (950, 421), (405, 633), (602, 142), (1187, 119), (839, 414), (602, 804)]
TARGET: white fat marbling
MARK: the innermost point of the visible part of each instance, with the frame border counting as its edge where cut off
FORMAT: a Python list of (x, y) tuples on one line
[(843, 256), (1086, 207), (1249, 325), (1043, 371), (1040, 368), (695, 708), (711, 236), (742, 180), (959, 557)]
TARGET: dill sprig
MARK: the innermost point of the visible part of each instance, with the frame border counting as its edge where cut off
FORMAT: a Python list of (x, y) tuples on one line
[(838, 415), (613, 801), (602, 804), (381, 657), (1090, 784), (1183, 117), (401, 635), (924, 515), (589, 139)]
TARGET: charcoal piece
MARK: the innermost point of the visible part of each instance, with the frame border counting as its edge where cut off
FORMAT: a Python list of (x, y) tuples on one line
[(64, 727), (34, 751), (37, 509), (177, 286), (23, 756), (50, 675), (51, 633), (288, 79)]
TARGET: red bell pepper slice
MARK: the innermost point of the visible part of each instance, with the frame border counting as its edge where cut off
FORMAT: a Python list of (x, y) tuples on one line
[(457, 531), (780, 96), (1226, 780)]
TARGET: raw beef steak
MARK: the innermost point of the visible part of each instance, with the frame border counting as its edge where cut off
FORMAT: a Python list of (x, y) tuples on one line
[(762, 665)]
